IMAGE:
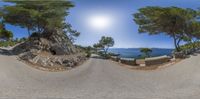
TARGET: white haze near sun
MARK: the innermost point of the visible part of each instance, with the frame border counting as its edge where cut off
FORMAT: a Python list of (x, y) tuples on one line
[(95, 23), (100, 22)]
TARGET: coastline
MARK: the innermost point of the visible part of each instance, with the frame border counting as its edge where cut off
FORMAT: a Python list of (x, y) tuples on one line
[(134, 53)]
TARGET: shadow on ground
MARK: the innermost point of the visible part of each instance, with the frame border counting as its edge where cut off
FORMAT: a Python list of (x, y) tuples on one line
[(5, 52), (97, 57)]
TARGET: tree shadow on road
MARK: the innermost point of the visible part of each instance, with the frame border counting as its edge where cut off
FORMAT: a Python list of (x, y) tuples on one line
[(5, 52), (97, 57)]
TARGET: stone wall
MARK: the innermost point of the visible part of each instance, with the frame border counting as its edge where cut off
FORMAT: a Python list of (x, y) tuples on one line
[(156, 61), (128, 62)]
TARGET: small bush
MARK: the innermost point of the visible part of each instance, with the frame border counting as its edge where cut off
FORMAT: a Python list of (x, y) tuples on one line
[(190, 46), (88, 55), (11, 42)]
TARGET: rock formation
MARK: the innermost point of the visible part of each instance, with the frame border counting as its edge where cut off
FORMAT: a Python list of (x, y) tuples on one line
[(51, 50)]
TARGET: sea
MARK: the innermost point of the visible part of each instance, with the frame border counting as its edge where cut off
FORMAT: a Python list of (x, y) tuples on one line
[(135, 52)]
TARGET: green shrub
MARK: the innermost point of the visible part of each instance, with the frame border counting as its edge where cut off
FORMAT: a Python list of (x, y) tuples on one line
[(11, 42), (88, 54), (190, 46), (7, 43)]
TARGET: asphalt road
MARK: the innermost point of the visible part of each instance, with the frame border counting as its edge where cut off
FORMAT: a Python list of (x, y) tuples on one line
[(99, 79)]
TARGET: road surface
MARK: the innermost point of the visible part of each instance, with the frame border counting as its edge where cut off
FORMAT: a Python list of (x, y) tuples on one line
[(99, 79)]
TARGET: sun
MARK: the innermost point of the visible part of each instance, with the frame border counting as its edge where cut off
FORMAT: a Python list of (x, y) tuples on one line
[(100, 22)]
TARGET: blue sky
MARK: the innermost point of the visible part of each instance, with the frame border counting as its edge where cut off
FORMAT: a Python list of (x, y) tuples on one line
[(123, 29)]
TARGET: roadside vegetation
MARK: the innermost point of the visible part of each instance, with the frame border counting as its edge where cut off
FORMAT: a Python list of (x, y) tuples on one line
[(5, 35), (48, 30), (12, 42), (146, 52), (191, 45), (88, 50), (49, 33), (182, 25), (39, 16), (103, 45)]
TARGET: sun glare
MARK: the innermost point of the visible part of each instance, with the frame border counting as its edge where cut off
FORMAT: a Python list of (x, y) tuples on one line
[(100, 22)]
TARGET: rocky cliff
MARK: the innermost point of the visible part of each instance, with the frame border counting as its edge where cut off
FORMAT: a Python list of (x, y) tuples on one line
[(50, 50)]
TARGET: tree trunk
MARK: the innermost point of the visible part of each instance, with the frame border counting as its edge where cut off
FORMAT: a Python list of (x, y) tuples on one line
[(193, 44), (29, 33), (175, 43), (178, 43), (106, 50)]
